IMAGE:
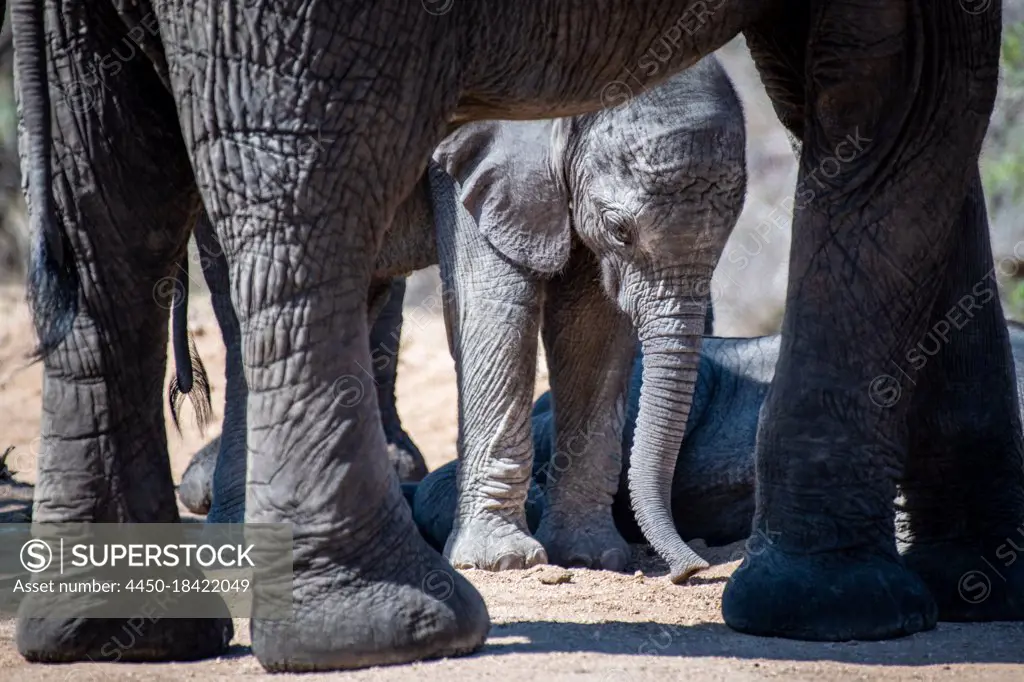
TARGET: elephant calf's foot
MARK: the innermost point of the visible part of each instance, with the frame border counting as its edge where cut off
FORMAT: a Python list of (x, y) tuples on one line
[(400, 605), (493, 543), (584, 541), (976, 581), (141, 639), (826, 597)]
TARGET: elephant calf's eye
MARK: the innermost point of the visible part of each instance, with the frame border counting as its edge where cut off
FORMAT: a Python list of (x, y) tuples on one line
[(620, 228)]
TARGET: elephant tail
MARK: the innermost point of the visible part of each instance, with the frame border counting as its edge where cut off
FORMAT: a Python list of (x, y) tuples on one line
[(53, 276), (190, 378)]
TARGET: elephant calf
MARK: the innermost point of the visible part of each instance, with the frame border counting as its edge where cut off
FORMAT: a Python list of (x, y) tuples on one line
[(601, 231), (713, 483)]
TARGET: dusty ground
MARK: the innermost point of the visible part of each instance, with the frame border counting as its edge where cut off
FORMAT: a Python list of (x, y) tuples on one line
[(598, 625)]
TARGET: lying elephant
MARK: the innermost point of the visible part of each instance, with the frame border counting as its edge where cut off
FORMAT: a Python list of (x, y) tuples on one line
[(713, 484), (607, 227)]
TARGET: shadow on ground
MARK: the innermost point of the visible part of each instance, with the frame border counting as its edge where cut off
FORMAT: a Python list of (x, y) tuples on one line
[(994, 643)]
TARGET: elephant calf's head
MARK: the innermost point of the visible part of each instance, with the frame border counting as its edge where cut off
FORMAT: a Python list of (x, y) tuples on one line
[(658, 184)]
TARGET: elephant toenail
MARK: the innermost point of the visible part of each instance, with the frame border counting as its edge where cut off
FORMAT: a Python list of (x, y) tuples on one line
[(508, 562), (614, 560), (578, 561)]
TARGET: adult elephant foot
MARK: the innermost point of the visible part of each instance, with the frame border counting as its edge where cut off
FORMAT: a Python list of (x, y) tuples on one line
[(962, 506), (592, 542), (400, 602), (216, 474), (385, 339), (52, 640), (973, 582), (826, 597), (366, 589), (493, 543)]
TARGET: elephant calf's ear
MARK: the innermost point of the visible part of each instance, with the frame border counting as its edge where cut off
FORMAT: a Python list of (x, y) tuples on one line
[(509, 185)]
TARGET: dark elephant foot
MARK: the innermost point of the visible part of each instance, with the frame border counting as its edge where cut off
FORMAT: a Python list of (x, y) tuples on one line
[(980, 581), (63, 628), (141, 639), (197, 485), (826, 597), (406, 458), (402, 604), (584, 541)]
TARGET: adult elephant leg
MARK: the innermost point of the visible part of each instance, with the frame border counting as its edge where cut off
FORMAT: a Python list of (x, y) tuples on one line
[(589, 344), (491, 308), (104, 457), (301, 191), (899, 96), (227, 500), (385, 339), (963, 488)]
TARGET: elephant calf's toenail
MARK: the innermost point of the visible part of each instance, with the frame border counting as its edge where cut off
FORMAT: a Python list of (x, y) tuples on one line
[(579, 561), (614, 560)]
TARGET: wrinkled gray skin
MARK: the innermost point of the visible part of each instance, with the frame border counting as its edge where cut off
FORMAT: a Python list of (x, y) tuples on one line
[(655, 189), (713, 484), (223, 457), (215, 105), (196, 488)]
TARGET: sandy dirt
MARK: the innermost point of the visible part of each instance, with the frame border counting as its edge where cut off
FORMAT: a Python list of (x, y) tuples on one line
[(548, 623)]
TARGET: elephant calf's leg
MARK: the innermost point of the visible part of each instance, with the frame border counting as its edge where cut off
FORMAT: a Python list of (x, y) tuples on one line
[(491, 310), (963, 489), (590, 347)]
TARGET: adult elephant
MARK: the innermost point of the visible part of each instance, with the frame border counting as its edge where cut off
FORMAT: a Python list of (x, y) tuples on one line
[(226, 96)]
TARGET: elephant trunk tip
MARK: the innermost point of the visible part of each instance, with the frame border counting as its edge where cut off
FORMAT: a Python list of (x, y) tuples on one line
[(681, 568), (656, 524)]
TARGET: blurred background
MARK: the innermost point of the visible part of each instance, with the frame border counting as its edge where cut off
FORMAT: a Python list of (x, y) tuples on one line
[(750, 284)]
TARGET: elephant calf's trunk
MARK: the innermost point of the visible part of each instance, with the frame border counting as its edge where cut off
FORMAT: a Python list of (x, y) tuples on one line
[(669, 377)]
